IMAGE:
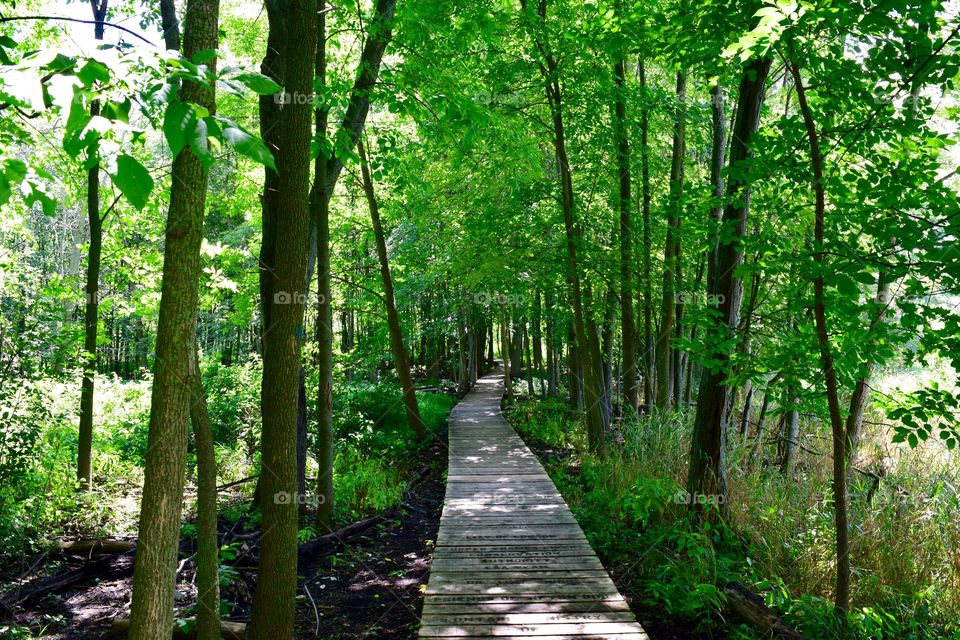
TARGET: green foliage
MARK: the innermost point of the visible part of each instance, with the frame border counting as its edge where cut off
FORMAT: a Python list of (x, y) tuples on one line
[(633, 509), (375, 451)]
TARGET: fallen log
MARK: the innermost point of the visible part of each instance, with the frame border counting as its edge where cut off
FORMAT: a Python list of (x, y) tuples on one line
[(91, 547), (105, 567), (750, 608), (228, 630), (340, 536)]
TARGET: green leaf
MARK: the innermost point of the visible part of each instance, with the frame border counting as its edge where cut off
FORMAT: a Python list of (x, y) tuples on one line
[(179, 121), (34, 192), (258, 83), (248, 145), (133, 180), (200, 143), (205, 56), (94, 71), (116, 110)]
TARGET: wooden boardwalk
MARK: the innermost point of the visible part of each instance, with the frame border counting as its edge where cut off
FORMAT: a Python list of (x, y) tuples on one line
[(511, 561)]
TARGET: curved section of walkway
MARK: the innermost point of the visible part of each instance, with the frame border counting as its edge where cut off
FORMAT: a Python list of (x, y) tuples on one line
[(511, 560)]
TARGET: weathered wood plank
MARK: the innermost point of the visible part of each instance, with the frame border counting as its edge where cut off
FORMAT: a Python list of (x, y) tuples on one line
[(511, 561)]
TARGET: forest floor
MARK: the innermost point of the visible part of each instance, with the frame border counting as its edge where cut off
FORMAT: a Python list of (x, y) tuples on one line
[(370, 586), (373, 587)]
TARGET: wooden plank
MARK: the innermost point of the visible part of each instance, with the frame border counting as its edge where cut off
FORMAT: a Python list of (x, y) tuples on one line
[(602, 629), (570, 548), (438, 609), (605, 636), (511, 561)]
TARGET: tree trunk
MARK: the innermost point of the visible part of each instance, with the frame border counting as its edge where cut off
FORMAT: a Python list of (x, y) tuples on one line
[(840, 498), (591, 385), (393, 319), (90, 313), (154, 581), (707, 473), (551, 350), (630, 395), (791, 433), (665, 377), (319, 210), (505, 353), (649, 358), (208, 548), (758, 434), (275, 597)]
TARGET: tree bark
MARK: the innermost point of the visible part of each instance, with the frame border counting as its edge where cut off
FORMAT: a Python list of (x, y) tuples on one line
[(591, 386), (208, 548), (649, 347), (707, 475), (393, 319), (319, 210), (154, 581), (275, 597), (840, 497), (665, 377), (629, 346), (91, 290)]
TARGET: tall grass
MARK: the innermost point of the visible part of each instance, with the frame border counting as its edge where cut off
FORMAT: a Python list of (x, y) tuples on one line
[(780, 537)]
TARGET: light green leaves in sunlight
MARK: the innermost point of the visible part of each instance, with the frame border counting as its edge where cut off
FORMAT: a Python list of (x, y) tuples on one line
[(133, 180)]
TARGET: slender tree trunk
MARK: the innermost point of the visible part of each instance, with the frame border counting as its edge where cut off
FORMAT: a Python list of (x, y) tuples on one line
[(758, 434), (591, 382), (840, 498), (791, 433), (275, 597), (505, 352), (717, 159), (551, 350), (665, 378), (208, 548), (536, 331), (90, 314), (154, 580), (649, 359), (747, 405), (393, 319), (630, 395), (319, 210), (707, 475)]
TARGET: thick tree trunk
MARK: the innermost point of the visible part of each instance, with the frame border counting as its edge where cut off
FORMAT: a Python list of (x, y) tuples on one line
[(319, 210), (275, 597), (154, 581), (665, 374), (393, 319), (92, 295), (208, 548), (707, 475)]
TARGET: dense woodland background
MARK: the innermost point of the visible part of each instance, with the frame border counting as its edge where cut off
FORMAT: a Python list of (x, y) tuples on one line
[(265, 247)]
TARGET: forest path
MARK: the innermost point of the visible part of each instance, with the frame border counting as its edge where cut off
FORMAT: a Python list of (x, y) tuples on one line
[(511, 561)]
